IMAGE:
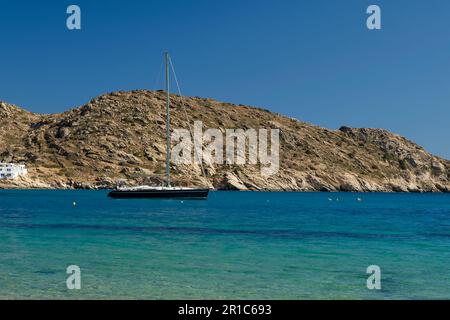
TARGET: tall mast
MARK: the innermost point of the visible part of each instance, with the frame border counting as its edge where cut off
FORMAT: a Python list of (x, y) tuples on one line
[(166, 56)]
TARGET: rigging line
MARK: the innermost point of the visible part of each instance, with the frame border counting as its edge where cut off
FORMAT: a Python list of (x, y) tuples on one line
[(186, 115)]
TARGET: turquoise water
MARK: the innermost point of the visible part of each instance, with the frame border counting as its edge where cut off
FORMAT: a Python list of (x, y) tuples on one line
[(234, 245)]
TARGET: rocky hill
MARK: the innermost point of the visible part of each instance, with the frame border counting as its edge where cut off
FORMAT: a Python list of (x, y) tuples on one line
[(121, 136)]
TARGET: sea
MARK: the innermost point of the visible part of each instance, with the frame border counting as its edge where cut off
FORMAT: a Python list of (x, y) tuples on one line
[(235, 245)]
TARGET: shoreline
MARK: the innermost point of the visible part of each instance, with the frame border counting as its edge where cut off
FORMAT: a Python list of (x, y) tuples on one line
[(234, 190)]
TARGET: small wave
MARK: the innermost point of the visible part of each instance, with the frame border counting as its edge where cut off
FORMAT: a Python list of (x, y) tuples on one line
[(281, 233)]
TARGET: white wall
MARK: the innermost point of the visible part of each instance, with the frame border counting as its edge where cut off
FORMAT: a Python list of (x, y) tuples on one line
[(12, 171)]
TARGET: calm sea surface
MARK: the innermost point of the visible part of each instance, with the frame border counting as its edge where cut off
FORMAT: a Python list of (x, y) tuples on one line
[(234, 245)]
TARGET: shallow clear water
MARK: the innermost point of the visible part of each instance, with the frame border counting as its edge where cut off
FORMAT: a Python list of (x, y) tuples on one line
[(234, 245)]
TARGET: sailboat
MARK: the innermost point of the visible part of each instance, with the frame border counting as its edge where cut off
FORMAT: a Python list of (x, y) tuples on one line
[(166, 191)]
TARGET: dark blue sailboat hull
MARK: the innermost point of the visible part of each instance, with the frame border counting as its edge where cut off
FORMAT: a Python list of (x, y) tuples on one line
[(188, 194)]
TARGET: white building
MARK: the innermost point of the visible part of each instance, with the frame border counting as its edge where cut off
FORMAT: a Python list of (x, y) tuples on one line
[(12, 170)]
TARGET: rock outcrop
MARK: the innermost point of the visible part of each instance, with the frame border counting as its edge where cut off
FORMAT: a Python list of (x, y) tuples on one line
[(121, 136)]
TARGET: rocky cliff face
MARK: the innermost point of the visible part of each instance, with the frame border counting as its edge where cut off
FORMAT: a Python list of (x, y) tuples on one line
[(121, 136)]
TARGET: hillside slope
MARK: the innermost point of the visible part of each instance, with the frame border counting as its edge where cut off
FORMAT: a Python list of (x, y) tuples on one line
[(121, 136)]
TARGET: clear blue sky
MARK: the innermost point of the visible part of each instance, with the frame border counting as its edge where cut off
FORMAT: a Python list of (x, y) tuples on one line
[(314, 60)]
